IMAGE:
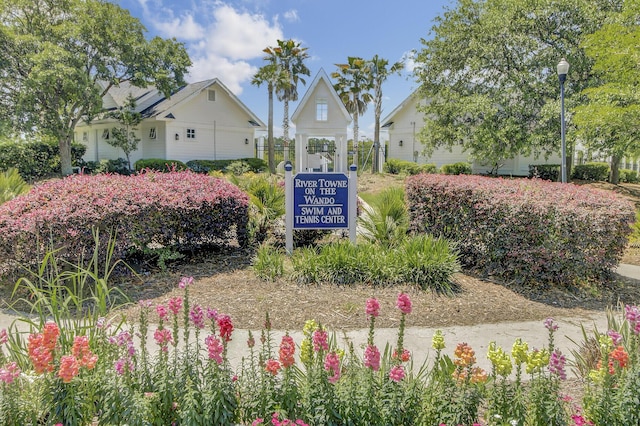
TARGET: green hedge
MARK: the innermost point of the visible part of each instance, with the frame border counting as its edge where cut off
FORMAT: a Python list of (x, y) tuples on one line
[(36, 160), (159, 165), (628, 176), (205, 166), (394, 166), (545, 171), (595, 171), (461, 168)]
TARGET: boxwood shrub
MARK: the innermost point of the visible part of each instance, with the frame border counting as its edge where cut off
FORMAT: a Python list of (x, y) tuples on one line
[(36, 160), (526, 230), (460, 168), (395, 166), (591, 171), (205, 166), (178, 210), (159, 164), (545, 171)]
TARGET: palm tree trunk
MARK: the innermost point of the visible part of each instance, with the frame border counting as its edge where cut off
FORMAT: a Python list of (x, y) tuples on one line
[(285, 130), (270, 145)]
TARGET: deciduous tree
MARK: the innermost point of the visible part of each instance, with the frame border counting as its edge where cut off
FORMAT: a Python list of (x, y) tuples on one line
[(54, 52)]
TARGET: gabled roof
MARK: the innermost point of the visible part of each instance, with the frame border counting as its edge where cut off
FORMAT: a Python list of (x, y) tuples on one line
[(389, 119), (321, 76), (150, 102)]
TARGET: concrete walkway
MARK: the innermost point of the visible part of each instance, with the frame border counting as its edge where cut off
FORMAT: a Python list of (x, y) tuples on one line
[(418, 339)]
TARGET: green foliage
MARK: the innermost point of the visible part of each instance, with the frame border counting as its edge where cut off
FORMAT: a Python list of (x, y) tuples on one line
[(385, 220), (36, 159), (160, 165), (488, 73), (268, 263), (598, 172), (628, 176), (545, 171), (256, 165), (238, 168), (124, 136), (119, 166), (54, 61), (395, 166), (606, 120), (456, 169), (426, 262), (11, 185)]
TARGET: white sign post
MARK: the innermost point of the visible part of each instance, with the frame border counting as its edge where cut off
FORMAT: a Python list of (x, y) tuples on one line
[(320, 201)]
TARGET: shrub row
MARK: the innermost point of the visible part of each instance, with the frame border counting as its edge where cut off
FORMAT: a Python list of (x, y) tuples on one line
[(205, 166), (591, 171), (394, 166), (159, 165), (525, 230), (36, 159), (180, 210), (423, 261), (545, 171), (461, 168)]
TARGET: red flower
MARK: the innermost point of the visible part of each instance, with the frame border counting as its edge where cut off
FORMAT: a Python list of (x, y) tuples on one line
[(69, 368), (82, 352), (404, 357), (226, 327)]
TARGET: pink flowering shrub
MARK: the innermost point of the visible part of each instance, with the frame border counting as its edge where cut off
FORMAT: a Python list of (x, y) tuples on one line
[(179, 210), (523, 229)]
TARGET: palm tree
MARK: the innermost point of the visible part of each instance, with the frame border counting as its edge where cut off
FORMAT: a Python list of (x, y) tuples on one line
[(289, 57), (379, 73), (270, 74), (353, 85)]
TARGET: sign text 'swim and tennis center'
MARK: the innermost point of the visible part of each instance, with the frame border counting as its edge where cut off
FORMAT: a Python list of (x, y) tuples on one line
[(320, 201)]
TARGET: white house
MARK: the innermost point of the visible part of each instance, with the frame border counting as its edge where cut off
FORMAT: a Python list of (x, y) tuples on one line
[(403, 125), (200, 121), (321, 114)]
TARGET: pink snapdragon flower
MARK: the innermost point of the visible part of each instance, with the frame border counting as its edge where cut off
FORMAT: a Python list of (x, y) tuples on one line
[(332, 365), (373, 307), (397, 373), (185, 281), (404, 303), (320, 340), (9, 372), (197, 316), (372, 357), (163, 337), (215, 348), (162, 312), (175, 305)]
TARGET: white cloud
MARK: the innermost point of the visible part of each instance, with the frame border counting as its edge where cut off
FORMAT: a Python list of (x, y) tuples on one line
[(220, 39), (291, 15)]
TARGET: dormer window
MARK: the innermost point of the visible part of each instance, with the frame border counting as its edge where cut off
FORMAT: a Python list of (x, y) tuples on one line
[(321, 109)]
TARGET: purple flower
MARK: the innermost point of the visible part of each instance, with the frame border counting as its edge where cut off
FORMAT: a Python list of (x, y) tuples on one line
[(557, 363), (615, 337), (550, 324), (185, 281), (197, 316)]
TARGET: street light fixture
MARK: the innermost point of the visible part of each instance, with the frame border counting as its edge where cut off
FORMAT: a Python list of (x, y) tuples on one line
[(563, 69)]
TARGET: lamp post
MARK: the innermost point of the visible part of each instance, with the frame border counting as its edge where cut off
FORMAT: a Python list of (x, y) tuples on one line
[(563, 68)]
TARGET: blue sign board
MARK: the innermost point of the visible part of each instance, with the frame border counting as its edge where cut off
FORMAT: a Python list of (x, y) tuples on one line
[(320, 201)]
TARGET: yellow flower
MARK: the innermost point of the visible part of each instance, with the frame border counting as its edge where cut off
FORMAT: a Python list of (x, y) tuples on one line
[(500, 360), (306, 351), (309, 327), (437, 342), (537, 360), (606, 343), (519, 351)]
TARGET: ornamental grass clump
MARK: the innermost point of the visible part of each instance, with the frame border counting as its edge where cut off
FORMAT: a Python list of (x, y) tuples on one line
[(526, 230), (178, 211)]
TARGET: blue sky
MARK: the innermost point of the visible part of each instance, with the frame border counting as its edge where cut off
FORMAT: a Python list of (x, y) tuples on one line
[(225, 39)]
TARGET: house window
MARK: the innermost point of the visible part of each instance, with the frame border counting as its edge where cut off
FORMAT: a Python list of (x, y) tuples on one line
[(212, 95), (105, 134), (321, 109), (152, 133), (85, 136), (191, 133)]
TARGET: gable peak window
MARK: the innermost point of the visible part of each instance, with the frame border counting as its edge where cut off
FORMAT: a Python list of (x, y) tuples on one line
[(211, 95), (321, 109)]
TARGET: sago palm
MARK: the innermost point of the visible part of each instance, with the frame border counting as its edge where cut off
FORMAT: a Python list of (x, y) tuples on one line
[(385, 221)]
